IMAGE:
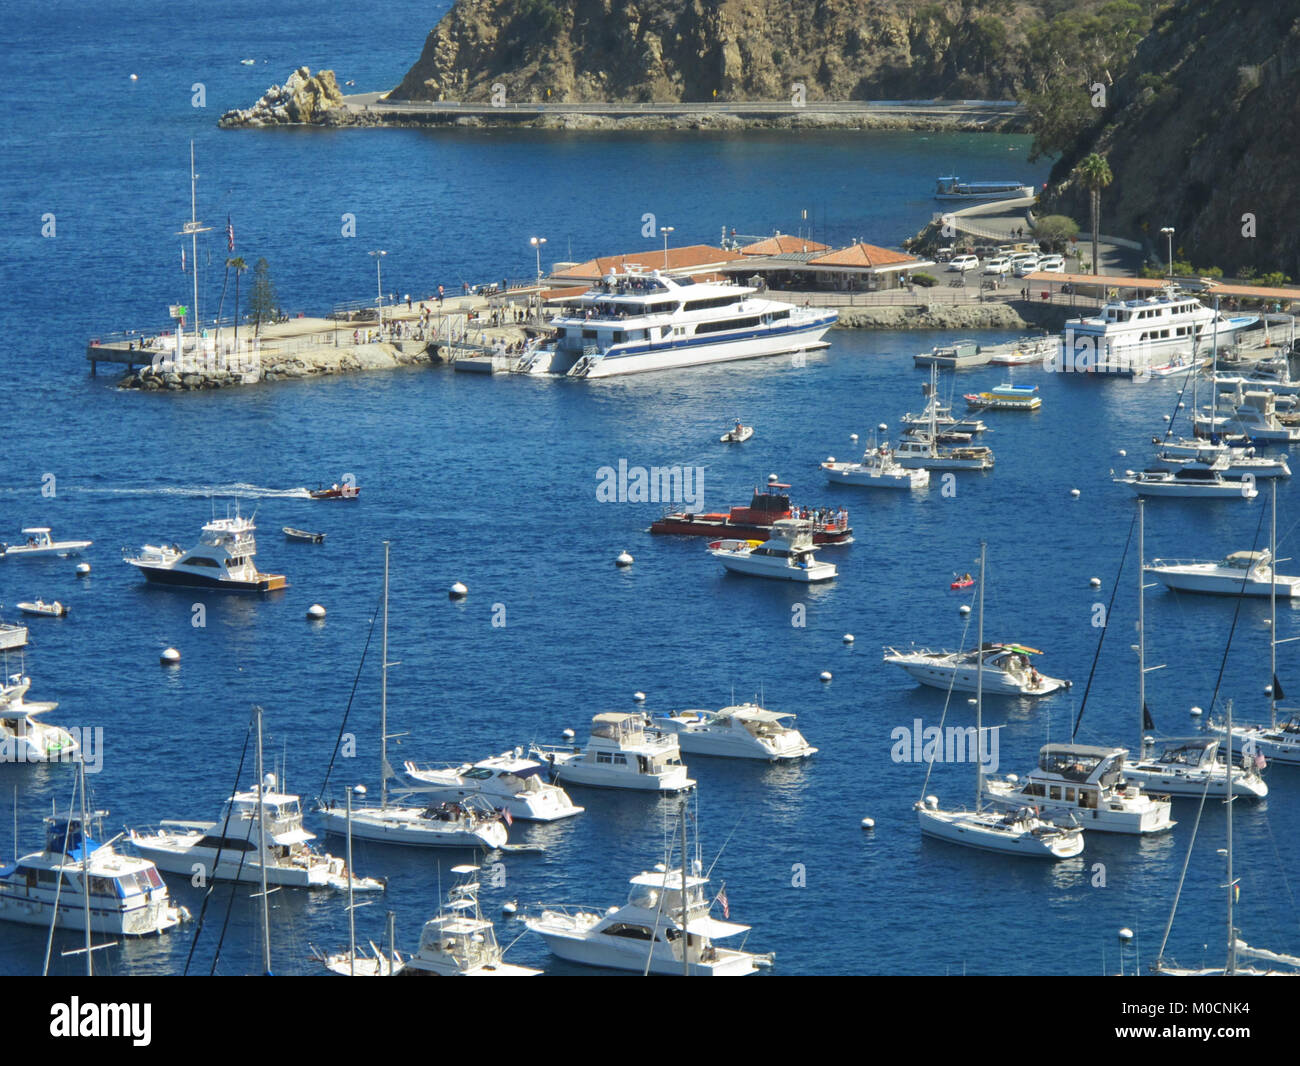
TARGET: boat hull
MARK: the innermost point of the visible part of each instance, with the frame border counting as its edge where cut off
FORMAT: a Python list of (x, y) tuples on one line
[(865, 477), (706, 526), (973, 831), (166, 576), (620, 953), (743, 563), (996, 682), (410, 833), (156, 916), (1224, 586), (1150, 817)]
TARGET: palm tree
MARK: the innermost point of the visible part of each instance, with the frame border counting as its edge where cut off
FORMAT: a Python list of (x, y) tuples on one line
[(1095, 174), (238, 265)]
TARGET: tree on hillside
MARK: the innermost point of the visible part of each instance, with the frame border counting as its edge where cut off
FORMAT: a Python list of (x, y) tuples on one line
[(262, 302), (1055, 231), (1094, 173)]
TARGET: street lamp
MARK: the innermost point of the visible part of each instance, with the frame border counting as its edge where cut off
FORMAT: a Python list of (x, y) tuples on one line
[(379, 254), (537, 243), (1168, 231), (665, 230)]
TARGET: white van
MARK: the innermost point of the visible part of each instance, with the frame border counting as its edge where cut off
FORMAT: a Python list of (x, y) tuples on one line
[(1000, 265), (1053, 263), (963, 263)]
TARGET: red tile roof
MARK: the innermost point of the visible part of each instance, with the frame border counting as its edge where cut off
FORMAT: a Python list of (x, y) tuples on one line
[(782, 244), (863, 255), (678, 259)]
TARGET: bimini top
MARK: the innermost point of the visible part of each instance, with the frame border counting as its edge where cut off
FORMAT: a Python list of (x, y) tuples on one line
[(37, 529), (1246, 559)]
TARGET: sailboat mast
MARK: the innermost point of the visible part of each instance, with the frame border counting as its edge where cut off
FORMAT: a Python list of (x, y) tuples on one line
[(194, 242), (352, 914), (1142, 629), (383, 700), (85, 867), (979, 689), (1272, 613), (261, 850), (1214, 377), (686, 936), (1230, 969)]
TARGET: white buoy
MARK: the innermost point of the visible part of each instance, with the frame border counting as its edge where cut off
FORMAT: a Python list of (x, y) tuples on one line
[(509, 907), (567, 734), (853, 437), (964, 609), (624, 559), (1267, 622), (848, 638), (315, 612), (458, 591), (1074, 493), (1126, 934), (1166, 418), (170, 657), (1122, 453), (883, 427), (1197, 712), (83, 569), (135, 77), (1268, 690), (868, 823), (1181, 405), (358, 790), (1095, 582), (638, 697), (825, 675)]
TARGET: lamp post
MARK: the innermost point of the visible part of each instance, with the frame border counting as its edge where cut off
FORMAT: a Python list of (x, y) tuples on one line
[(1168, 231), (665, 230), (379, 254), (537, 243)]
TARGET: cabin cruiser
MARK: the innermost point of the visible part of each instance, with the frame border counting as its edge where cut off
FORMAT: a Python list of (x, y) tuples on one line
[(459, 941), (40, 542), (1237, 462), (787, 554), (1006, 669), (1016, 832), (878, 470), (952, 187), (22, 738), (620, 753), (918, 450), (646, 933), (1087, 784), (1193, 768), (633, 322), (746, 731), (223, 559), (768, 505), (1254, 416), (228, 848), (127, 895), (959, 355), (1278, 743), (1247, 573), (471, 822), (508, 781), (1195, 480)]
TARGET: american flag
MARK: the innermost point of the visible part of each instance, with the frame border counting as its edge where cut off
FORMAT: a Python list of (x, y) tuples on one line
[(722, 898), (230, 235)]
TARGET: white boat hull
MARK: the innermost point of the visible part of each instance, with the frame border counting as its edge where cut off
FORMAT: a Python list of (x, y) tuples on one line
[(1223, 585), (744, 563), (874, 478), (1149, 817), (579, 772), (156, 916), (996, 682), (392, 827), (622, 953), (979, 831), (542, 808), (1193, 783)]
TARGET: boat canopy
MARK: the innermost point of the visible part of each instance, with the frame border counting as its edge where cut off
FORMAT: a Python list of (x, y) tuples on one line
[(1246, 558), (37, 529), (713, 928)]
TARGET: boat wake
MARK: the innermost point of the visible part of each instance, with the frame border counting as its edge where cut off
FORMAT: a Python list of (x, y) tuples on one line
[(239, 488)]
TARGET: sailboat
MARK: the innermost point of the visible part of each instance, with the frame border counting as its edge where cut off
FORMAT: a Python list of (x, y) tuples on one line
[(1016, 832), (466, 823)]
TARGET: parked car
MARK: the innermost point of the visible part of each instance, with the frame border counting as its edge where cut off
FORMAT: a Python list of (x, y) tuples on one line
[(1053, 263), (964, 263), (1000, 265), (1024, 265)]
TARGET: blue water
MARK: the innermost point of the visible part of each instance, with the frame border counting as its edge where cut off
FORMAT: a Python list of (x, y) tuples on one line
[(492, 482)]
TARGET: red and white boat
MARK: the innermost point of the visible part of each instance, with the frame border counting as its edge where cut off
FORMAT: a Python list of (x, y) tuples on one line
[(830, 525)]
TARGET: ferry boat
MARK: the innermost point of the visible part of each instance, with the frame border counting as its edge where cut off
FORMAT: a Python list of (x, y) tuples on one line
[(1130, 336), (39, 541), (787, 554), (507, 781), (1196, 480), (1087, 784), (1006, 398), (127, 895), (227, 849), (745, 731), (22, 738), (646, 933), (1006, 670), (768, 506), (1245, 573), (952, 187), (634, 322), (620, 753), (223, 559)]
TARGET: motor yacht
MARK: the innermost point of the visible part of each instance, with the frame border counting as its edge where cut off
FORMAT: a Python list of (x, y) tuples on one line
[(787, 554), (620, 753), (745, 731), (1192, 768), (1254, 416), (223, 559), (1244, 573), (1003, 669), (508, 782), (1194, 481), (1231, 462), (39, 541)]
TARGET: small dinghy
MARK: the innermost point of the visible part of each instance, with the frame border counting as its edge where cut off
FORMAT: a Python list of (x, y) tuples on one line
[(737, 434), (39, 606), (963, 582), (303, 534)]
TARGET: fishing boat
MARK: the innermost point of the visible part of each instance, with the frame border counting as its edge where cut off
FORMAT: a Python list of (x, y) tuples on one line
[(738, 434), (787, 555), (39, 607), (877, 469), (1243, 573), (223, 559), (1002, 669), (39, 541), (23, 739), (920, 448), (620, 753), (302, 534), (768, 505), (344, 491), (744, 731), (1006, 398), (508, 782)]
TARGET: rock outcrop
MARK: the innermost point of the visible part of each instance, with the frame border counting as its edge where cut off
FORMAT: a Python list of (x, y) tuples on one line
[(304, 99)]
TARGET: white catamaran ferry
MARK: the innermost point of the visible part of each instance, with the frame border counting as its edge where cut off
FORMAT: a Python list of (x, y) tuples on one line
[(634, 322), (952, 187)]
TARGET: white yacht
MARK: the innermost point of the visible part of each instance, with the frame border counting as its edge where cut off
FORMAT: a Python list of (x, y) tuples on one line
[(1194, 481), (22, 738), (1023, 352), (12, 636), (620, 753), (1017, 832), (459, 941), (227, 849), (222, 559), (1003, 669), (1192, 768), (878, 469), (951, 187), (40, 542), (507, 781), (1279, 743), (645, 934), (1272, 374), (1253, 415), (787, 554), (1085, 783), (745, 731), (1131, 336), (920, 450), (127, 895), (634, 322), (1230, 461), (1245, 573)]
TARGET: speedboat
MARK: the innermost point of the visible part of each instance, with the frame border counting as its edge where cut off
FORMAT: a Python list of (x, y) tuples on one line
[(1179, 364), (878, 469), (620, 753), (1195, 480), (507, 781), (787, 555), (1005, 667), (459, 941), (646, 933), (22, 738), (1238, 574), (39, 607), (228, 848), (345, 491), (737, 434), (40, 542), (1192, 768), (746, 731), (1022, 352), (223, 559), (127, 895), (768, 505), (1017, 832), (1086, 784)]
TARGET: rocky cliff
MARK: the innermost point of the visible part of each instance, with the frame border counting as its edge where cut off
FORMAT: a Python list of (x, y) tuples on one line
[(304, 98), (1202, 135)]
